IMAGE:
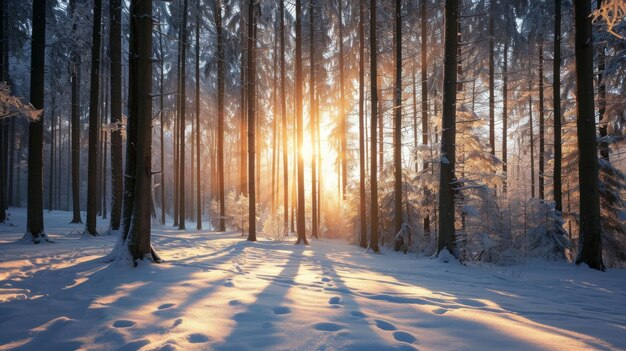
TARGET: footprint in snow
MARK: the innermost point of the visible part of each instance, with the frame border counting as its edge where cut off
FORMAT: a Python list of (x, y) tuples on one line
[(234, 302), (281, 310), (358, 314), (328, 326), (228, 284), (165, 306), (440, 311), (123, 323), (325, 279), (404, 337), (335, 300), (384, 325), (197, 338)]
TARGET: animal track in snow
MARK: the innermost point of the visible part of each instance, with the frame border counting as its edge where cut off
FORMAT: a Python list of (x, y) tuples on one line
[(123, 323), (384, 325)]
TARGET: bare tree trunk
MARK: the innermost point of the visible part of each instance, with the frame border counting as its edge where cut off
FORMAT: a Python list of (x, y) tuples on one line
[(117, 185), (505, 115), (283, 101), (34, 221), (492, 138), (532, 136), (447, 178), (140, 101), (541, 128), (373, 244), (94, 130), (220, 116), (299, 127), (251, 119), (397, 150), (590, 236), (244, 88), (342, 107), (161, 113), (312, 115), (362, 200), (182, 117), (556, 96), (604, 145), (424, 76)]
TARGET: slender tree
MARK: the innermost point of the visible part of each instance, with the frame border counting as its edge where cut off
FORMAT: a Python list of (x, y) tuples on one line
[(283, 109), (492, 135), (220, 112), (299, 127), (505, 115), (251, 119), (115, 37), (181, 119), (34, 216), (447, 178), (424, 92), (541, 128), (75, 119), (556, 96), (94, 130), (374, 110), (342, 107), (312, 117), (397, 130), (590, 234), (362, 206)]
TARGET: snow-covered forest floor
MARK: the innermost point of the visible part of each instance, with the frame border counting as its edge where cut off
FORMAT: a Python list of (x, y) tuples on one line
[(217, 291)]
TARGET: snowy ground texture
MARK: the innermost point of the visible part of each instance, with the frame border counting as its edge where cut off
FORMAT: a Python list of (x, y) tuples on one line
[(218, 292)]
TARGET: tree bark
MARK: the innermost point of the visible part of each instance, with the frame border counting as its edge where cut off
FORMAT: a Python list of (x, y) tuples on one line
[(117, 182), (299, 127), (362, 200), (424, 92), (181, 124), (590, 235), (505, 116), (492, 135), (312, 115), (447, 179), (541, 128), (283, 103), (94, 130), (373, 244), (251, 119), (397, 136), (34, 221), (220, 116), (556, 96), (342, 107)]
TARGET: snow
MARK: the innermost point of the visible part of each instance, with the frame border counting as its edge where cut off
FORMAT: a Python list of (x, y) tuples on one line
[(217, 291)]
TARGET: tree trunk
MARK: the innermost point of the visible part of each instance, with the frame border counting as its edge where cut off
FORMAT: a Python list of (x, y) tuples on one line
[(362, 200), (373, 244), (556, 96), (424, 92), (140, 101), (492, 135), (283, 102), (220, 116), (604, 145), (342, 107), (251, 119), (590, 235), (447, 179), (299, 127), (181, 118), (161, 79), (532, 136), (541, 128), (244, 88), (397, 136), (35, 224), (94, 130), (117, 184), (505, 115), (312, 116)]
